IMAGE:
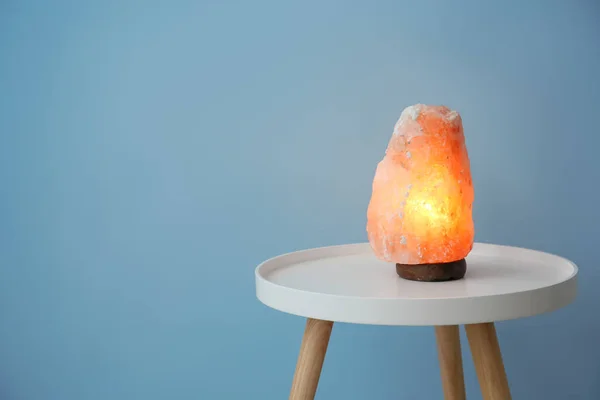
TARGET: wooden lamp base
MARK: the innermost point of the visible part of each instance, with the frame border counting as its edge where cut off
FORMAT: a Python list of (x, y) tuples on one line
[(438, 272)]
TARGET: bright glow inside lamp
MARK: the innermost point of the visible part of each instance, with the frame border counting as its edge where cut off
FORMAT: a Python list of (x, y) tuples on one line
[(420, 213)]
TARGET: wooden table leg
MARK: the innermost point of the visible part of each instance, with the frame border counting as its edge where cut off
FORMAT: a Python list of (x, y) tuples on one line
[(448, 345), (310, 360), (488, 361)]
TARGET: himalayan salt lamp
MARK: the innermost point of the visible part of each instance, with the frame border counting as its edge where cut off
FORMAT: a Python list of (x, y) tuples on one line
[(419, 216)]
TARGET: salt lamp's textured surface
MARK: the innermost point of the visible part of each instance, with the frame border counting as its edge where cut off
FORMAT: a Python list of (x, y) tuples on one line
[(420, 209)]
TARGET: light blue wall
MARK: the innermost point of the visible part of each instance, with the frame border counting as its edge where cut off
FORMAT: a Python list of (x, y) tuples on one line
[(152, 154)]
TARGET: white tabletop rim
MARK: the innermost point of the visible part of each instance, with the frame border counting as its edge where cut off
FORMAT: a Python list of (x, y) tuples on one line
[(396, 310)]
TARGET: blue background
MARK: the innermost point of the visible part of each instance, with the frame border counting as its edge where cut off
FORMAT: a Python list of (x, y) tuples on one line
[(152, 154)]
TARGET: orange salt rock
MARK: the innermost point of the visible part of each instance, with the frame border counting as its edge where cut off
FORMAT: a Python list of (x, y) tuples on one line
[(420, 209)]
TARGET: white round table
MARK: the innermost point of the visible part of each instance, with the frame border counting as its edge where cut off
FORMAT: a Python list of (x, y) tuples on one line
[(349, 284)]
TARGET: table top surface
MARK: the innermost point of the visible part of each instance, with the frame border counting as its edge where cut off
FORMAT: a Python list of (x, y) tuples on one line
[(348, 283)]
